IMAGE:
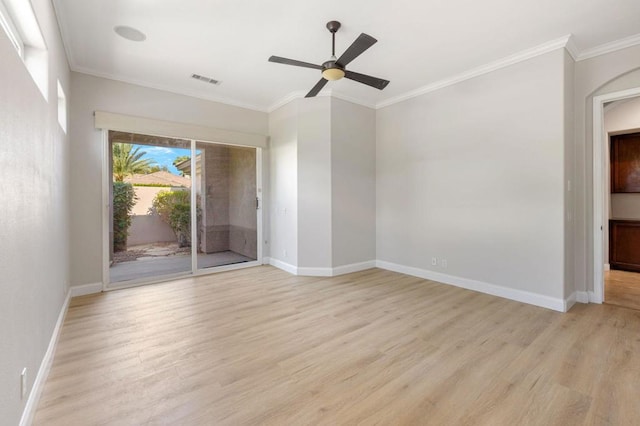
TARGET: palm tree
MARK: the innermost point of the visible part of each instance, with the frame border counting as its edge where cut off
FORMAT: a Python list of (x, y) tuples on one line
[(128, 161)]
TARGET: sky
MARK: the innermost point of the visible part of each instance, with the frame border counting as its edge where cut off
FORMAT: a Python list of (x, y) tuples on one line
[(163, 156)]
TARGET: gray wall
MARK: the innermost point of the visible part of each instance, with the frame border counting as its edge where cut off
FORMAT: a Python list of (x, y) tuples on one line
[(215, 197), (569, 171), (229, 208), (353, 183), (89, 94), (283, 187), (323, 162), (242, 201), (474, 173), (314, 182), (34, 253)]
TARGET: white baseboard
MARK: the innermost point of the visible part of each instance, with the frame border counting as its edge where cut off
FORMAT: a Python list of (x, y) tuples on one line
[(353, 267), (607, 266), (284, 266), (582, 296), (592, 297), (508, 293), (320, 272), (45, 366), (570, 301), (548, 302), (81, 290), (314, 272), (576, 297)]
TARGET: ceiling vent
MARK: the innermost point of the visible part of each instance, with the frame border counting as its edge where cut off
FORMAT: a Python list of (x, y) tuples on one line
[(206, 79)]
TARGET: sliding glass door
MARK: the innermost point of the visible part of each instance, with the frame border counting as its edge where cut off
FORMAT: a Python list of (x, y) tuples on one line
[(225, 191), (159, 188)]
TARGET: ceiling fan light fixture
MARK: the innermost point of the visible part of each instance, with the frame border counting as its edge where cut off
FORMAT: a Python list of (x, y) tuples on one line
[(333, 74)]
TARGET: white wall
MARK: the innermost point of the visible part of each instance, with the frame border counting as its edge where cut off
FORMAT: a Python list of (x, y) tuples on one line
[(34, 254), (89, 94), (283, 187), (323, 161), (623, 116), (474, 173), (314, 182), (569, 172), (353, 183), (603, 74), (625, 206)]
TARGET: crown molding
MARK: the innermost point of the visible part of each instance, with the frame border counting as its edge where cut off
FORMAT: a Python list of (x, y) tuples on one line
[(353, 100), (288, 98), (572, 48), (193, 94), (613, 46), (481, 70), (62, 25), (299, 94)]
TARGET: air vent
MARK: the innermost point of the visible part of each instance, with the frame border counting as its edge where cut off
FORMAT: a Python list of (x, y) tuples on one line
[(206, 79)]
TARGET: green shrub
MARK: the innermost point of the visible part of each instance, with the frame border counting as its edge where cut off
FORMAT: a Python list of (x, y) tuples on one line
[(174, 207), (124, 198)]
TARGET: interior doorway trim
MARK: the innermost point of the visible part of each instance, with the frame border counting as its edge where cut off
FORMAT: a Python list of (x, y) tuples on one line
[(600, 144)]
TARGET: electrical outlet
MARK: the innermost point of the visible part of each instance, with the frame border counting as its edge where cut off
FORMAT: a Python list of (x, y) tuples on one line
[(443, 262), (284, 252), (434, 261), (23, 383)]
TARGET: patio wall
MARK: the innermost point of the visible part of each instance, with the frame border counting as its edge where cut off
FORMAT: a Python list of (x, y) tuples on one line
[(147, 229), (145, 195)]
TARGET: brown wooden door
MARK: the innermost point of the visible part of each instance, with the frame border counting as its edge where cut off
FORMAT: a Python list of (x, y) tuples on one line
[(625, 163)]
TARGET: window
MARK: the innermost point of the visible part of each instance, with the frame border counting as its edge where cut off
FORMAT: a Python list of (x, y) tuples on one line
[(10, 29), (19, 22), (62, 108)]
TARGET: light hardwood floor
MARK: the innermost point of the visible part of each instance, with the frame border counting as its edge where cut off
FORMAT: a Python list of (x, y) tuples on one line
[(622, 288), (260, 346)]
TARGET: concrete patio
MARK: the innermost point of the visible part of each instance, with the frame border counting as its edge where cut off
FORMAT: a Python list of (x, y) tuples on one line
[(147, 267)]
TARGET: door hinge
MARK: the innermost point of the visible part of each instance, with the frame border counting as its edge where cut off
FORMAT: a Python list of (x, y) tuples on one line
[(257, 203)]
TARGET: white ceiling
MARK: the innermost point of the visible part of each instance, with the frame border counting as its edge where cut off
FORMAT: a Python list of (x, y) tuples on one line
[(419, 42)]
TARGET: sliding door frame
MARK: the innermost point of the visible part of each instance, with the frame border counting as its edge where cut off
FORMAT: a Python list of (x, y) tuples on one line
[(194, 272)]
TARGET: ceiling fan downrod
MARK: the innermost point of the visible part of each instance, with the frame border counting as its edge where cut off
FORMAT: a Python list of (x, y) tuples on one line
[(333, 27)]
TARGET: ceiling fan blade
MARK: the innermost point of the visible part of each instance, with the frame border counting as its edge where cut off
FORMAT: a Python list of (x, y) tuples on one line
[(286, 61), (362, 43), (317, 88), (378, 83)]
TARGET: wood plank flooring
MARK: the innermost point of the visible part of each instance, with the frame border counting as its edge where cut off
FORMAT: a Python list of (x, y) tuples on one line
[(622, 288), (260, 346)]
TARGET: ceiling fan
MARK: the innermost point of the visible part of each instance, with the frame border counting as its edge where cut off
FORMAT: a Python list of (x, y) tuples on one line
[(334, 68)]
